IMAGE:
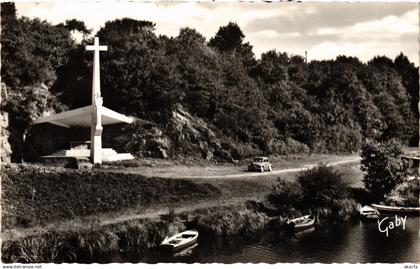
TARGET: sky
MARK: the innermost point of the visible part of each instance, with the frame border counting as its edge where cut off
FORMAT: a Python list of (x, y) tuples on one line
[(324, 30)]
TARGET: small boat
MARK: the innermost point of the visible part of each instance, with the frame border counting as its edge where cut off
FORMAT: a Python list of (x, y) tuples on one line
[(396, 209), (302, 223), (368, 212), (180, 240)]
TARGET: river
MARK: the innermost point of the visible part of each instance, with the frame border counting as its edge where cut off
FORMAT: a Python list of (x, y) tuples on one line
[(352, 242)]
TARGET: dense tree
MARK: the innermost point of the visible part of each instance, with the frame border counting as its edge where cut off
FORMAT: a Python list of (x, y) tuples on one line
[(200, 73), (278, 104), (32, 52), (383, 166), (322, 186), (138, 76), (76, 25), (272, 67), (229, 39)]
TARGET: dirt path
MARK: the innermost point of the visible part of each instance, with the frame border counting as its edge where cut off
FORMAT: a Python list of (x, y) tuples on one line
[(277, 172), (225, 172)]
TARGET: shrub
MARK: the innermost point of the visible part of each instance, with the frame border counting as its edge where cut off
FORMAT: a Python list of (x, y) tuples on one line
[(225, 222), (405, 194), (321, 186), (284, 195), (320, 190), (383, 166)]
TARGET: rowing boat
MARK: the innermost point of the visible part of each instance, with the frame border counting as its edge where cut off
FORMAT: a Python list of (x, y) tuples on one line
[(180, 240), (368, 212), (301, 223), (396, 209)]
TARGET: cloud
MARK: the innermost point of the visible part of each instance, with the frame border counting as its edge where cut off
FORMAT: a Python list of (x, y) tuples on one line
[(308, 17), (387, 36), (325, 30)]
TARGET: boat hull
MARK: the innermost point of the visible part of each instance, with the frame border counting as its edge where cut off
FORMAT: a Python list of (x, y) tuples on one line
[(169, 247), (397, 210), (369, 213), (301, 227), (178, 242), (295, 225)]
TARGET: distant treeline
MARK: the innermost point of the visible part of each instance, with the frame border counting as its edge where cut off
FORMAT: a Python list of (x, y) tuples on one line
[(277, 104)]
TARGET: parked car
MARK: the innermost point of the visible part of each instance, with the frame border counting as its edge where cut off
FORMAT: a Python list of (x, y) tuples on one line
[(79, 163), (260, 164)]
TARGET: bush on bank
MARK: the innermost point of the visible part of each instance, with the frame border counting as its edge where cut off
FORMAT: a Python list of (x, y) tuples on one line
[(227, 222), (320, 190), (405, 194)]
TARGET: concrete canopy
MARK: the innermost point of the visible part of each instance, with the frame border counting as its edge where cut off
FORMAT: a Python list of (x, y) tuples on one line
[(82, 117)]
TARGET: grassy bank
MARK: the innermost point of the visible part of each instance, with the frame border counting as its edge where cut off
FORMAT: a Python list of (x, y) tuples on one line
[(36, 196), (40, 196), (63, 195), (136, 236)]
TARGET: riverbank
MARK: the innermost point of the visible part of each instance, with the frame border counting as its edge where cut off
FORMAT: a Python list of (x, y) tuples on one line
[(34, 196), (71, 208), (130, 237)]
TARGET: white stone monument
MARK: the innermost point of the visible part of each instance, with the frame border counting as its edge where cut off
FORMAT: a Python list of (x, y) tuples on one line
[(94, 116), (96, 127)]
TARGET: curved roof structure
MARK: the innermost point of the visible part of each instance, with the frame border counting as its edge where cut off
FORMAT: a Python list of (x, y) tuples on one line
[(82, 117)]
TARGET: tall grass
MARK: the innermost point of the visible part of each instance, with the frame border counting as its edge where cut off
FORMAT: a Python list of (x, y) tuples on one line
[(46, 247), (85, 245), (225, 222), (134, 236)]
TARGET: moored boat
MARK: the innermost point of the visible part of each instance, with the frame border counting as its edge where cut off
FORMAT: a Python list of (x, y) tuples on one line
[(396, 209), (368, 212), (180, 241), (301, 223)]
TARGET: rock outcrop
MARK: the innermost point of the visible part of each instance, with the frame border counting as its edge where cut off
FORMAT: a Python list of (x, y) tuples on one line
[(5, 149), (184, 136)]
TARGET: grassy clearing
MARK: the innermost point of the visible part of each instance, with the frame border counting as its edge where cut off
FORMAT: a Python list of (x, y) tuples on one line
[(71, 195), (32, 196)]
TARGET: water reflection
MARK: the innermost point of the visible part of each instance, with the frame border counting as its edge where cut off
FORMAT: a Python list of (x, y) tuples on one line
[(400, 245), (352, 242)]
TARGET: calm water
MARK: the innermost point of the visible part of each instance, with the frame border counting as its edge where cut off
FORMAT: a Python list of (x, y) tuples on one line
[(354, 242)]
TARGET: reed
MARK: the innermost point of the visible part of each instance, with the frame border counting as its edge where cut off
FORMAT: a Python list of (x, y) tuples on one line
[(86, 245), (46, 247), (225, 222), (134, 236)]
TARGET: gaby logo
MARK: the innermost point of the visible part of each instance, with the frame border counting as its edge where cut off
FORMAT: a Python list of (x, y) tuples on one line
[(387, 224)]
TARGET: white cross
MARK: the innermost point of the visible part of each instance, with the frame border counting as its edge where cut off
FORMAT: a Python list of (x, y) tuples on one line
[(96, 122), (96, 47)]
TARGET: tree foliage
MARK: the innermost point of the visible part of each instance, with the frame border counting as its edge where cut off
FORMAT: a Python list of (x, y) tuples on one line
[(32, 52), (277, 104), (383, 166), (321, 190), (322, 186), (284, 195)]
